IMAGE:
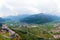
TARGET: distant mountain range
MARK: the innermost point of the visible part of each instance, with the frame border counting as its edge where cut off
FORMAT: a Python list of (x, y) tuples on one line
[(40, 18), (16, 18), (2, 20), (33, 19)]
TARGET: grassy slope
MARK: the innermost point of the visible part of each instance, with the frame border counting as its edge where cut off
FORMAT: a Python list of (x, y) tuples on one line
[(5, 36), (35, 33)]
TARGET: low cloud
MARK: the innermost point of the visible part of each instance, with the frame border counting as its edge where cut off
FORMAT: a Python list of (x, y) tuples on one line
[(16, 7)]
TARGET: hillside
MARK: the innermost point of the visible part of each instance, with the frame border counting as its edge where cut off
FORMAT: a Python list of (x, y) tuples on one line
[(2, 20), (16, 18), (33, 19), (39, 18)]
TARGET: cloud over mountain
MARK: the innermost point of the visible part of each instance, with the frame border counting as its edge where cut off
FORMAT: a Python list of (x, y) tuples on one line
[(16, 7)]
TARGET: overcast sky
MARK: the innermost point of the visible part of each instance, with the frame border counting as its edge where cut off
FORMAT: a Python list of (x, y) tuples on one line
[(18, 7)]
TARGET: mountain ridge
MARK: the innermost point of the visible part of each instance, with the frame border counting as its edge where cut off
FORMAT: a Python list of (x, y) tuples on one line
[(40, 18)]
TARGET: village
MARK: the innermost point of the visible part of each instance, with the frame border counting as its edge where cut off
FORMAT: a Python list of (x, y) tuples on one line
[(56, 31)]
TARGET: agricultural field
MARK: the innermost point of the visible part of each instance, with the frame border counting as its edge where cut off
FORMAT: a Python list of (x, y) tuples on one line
[(40, 32)]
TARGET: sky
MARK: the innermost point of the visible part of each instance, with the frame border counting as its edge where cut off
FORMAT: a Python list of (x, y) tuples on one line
[(19, 7)]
